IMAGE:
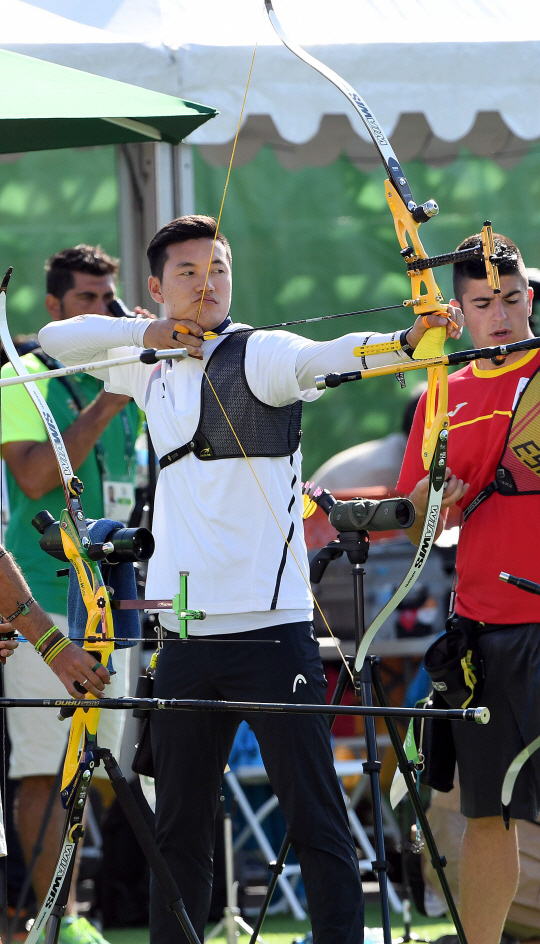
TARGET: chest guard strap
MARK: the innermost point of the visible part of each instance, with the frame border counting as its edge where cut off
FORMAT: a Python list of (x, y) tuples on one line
[(263, 430), (518, 471)]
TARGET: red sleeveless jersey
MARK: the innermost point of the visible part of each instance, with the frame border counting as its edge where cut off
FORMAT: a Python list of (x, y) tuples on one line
[(501, 534)]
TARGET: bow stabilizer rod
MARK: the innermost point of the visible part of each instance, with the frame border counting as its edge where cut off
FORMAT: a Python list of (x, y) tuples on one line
[(449, 360), (473, 715)]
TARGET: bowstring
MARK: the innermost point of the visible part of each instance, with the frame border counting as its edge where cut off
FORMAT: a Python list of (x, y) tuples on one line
[(285, 538), (222, 408), (227, 181)]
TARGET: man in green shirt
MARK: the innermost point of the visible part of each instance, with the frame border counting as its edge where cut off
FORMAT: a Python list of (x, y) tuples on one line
[(99, 430)]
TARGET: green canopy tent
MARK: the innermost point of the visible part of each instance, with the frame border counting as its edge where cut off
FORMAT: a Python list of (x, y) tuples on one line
[(45, 106)]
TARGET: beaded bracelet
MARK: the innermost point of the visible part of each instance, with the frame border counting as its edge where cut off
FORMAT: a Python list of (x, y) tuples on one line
[(38, 645), (56, 649), (22, 610)]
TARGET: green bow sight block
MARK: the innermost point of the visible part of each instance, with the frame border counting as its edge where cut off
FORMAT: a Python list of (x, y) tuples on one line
[(180, 606)]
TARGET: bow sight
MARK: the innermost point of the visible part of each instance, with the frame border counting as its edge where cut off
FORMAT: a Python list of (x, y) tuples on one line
[(485, 250)]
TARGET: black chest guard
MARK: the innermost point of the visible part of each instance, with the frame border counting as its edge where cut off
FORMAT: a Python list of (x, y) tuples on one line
[(263, 430)]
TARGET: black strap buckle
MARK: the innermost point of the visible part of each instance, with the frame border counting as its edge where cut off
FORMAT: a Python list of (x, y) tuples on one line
[(177, 454)]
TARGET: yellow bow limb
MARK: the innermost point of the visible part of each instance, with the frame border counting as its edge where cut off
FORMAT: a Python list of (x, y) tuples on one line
[(426, 295), (436, 411)]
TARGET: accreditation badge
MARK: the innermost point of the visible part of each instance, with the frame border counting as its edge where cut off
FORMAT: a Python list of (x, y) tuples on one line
[(118, 500)]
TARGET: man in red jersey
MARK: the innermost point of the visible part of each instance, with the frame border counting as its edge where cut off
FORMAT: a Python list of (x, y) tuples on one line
[(499, 535)]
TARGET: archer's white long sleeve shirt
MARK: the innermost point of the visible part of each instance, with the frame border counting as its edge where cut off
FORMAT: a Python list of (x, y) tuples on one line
[(212, 518)]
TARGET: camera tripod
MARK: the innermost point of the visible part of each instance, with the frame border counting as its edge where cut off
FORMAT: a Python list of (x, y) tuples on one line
[(366, 683)]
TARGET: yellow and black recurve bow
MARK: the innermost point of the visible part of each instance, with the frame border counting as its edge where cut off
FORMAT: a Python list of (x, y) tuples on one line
[(426, 299), (99, 635)]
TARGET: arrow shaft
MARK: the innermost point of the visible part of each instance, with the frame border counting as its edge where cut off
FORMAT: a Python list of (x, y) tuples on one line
[(176, 353)]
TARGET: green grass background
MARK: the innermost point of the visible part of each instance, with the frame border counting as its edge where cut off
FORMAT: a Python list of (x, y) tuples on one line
[(282, 929)]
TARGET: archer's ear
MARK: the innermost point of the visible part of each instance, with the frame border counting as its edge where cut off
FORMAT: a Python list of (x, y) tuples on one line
[(154, 287), (52, 304)]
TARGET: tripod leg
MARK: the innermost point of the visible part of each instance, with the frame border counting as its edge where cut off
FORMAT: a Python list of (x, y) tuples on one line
[(438, 862), (148, 844), (372, 767), (276, 868)]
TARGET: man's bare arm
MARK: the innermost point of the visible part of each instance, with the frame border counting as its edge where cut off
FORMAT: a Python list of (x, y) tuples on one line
[(72, 663), (33, 464)]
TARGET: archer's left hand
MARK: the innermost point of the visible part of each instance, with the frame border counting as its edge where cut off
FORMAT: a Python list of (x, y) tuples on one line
[(436, 321)]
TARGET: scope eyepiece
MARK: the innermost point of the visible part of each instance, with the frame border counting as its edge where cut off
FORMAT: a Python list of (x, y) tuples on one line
[(131, 544)]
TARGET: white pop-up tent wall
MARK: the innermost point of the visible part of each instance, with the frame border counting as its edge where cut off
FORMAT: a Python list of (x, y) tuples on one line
[(438, 74)]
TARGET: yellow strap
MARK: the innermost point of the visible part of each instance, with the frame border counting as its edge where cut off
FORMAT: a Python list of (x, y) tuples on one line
[(468, 675)]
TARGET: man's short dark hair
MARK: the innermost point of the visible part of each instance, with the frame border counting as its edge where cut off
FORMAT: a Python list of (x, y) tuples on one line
[(475, 269), (179, 231), (88, 259)]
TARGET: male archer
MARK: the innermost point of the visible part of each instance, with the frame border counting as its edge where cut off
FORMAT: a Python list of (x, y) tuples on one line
[(236, 525), (498, 535)]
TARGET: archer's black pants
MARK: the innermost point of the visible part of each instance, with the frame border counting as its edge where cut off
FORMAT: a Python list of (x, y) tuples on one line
[(190, 753)]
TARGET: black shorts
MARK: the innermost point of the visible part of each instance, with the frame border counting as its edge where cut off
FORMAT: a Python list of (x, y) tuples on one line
[(484, 752)]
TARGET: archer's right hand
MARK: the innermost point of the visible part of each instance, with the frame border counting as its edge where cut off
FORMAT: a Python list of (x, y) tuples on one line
[(159, 335)]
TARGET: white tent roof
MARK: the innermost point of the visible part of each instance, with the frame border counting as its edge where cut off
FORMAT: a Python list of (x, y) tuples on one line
[(438, 74), (23, 21)]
